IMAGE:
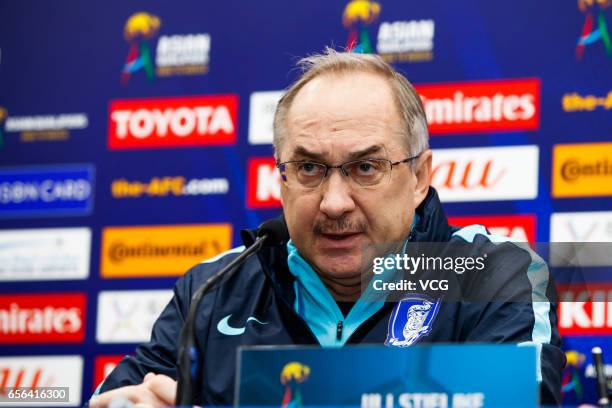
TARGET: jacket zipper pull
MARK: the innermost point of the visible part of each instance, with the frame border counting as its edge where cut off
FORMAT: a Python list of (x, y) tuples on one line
[(339, 331)]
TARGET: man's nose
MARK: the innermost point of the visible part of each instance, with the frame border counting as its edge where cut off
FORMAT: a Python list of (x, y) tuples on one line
[(337, 195)]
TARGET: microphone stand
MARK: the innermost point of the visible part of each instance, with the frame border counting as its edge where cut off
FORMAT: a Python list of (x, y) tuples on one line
[(187, 353)]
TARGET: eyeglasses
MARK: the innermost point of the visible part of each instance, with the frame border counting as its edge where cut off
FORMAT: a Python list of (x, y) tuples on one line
[(364, 172)]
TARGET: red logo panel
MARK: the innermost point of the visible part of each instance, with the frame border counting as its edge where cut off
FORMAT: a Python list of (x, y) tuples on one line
[(482, 106), (263, 183), (585, 309), (520, 227), (42, 318), (103, 366), (173, 122)]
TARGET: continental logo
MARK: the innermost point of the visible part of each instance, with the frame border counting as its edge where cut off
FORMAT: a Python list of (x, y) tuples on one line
[(575, 102), (173, 122), (582, 170), (160, 250), (482, 106), (177, 186)]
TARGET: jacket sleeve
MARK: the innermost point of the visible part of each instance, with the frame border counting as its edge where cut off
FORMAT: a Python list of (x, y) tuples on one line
[(520, 308)]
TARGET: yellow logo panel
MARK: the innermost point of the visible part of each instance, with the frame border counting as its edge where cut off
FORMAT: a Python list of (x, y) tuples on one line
[(164, 250), (582, 170)]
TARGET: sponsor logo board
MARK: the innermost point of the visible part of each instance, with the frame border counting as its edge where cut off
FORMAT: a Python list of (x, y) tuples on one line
[(46, 190), (44, 254), (486, 173), (582, 170), (594, 33), (128, 316), (42, 371), (396, 41), (163, 250), (482, 106), (175, 54), (173, 122), (581, 228), (585, 309), (261, 116), (472, 174), (103, 366), (164, 186), (36, 128), (263, 183), (520, 227), (406, 40), (575, 102), (594, 226), (42, 318)]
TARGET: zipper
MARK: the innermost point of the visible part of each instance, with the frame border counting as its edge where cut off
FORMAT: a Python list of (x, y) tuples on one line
[(339, 331)]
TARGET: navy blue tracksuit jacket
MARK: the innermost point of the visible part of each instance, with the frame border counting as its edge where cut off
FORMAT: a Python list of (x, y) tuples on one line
[(263, 288)]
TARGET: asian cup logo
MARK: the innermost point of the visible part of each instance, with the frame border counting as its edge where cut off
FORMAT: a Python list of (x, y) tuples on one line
[(292, 376), (595, 28), (571, 375), (139, 29), (358, 15), (411, 319)]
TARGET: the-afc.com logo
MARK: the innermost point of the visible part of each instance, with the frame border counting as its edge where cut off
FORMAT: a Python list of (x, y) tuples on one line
[(173, 122), (168, 186), (576, 102)]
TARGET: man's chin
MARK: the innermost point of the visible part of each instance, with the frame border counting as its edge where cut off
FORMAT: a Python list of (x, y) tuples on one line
[(341, 267)]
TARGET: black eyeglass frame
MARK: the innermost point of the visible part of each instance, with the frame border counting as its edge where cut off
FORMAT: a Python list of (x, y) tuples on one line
[(342, 169)]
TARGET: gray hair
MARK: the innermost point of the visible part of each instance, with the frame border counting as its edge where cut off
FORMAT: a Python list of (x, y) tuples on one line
[(408, 103)]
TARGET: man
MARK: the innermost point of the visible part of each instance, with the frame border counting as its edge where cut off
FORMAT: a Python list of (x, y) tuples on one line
[(351, 143)]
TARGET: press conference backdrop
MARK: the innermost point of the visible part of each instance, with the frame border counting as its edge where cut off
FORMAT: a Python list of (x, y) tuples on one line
[(135, 141)]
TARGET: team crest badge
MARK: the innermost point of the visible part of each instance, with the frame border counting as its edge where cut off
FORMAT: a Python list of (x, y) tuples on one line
[(411, 319)]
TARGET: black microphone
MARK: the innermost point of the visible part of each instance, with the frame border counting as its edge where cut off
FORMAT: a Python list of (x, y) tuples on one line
[(270, 233), (601, 377)]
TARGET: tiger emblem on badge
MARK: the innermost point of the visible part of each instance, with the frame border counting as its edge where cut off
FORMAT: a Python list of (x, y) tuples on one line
[(411, 319)]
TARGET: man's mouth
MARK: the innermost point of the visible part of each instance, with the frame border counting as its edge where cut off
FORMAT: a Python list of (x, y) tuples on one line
[(339, 240)]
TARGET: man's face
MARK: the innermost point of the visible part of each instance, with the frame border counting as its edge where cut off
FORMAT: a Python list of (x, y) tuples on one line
[(334, 119)]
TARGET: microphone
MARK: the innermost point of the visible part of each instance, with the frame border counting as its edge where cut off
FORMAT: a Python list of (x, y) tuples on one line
[(270, 233), (601, 377)]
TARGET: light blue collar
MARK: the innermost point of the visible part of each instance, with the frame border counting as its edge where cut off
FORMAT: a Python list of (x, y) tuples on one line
[(317, 307)]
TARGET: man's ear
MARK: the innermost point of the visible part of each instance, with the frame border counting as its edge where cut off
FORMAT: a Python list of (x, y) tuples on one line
[(422, 174)]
